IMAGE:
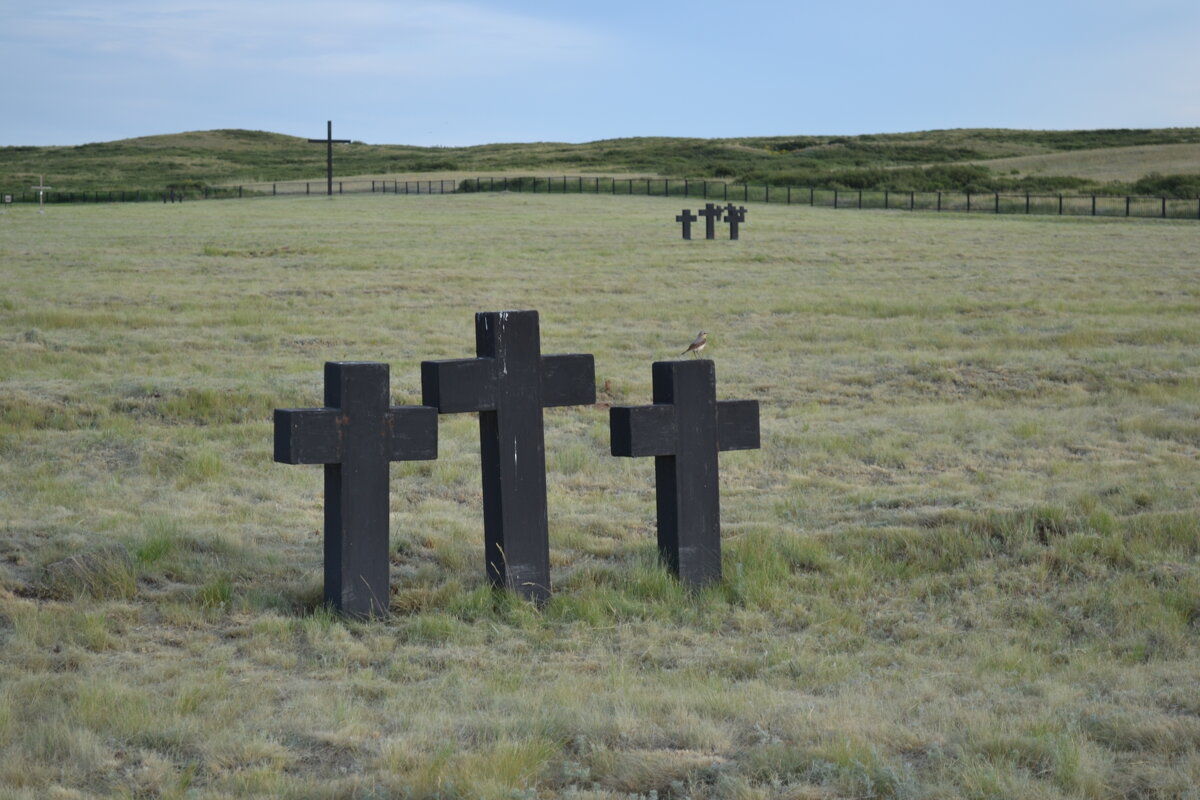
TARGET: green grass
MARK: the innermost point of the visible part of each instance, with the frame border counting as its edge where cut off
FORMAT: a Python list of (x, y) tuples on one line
[(965, 563), (1108, 161)]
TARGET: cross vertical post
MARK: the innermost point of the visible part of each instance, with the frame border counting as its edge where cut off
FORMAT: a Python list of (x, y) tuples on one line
[(711, 214), (329, 143), (684, 430), (508, 385), (687, 218), (355, 436)]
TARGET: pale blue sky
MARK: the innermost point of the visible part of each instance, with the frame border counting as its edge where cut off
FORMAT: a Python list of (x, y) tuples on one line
[(433, 73)]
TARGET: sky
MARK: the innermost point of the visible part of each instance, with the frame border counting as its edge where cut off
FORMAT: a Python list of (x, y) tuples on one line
[(484, 71)]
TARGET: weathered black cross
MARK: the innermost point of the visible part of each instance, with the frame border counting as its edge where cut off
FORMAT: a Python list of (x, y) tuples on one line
[(329, 143), (355, 436), (711, 214), (684, 430), (687, 218), (734, 215), (509, 384)]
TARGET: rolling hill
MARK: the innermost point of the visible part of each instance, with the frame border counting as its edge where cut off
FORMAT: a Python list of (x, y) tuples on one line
[(1149, 161)]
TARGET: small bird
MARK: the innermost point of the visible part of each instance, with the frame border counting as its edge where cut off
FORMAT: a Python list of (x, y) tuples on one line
[(697, 344)]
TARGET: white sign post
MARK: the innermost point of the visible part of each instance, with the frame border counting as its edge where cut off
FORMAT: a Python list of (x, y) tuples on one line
[(41, 190)]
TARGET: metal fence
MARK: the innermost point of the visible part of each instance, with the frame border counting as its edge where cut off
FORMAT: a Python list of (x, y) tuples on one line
[(949, 201), (703, 189)]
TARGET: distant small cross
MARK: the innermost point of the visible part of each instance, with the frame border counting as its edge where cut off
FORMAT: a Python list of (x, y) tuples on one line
[(329, 143), (734, 215), (508, 385), (355, 436), (711, 214), (684, 430), (687, 218), (41, 188)]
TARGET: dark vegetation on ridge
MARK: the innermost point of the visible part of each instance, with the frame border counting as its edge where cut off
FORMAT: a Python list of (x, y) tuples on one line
[(922, 161)]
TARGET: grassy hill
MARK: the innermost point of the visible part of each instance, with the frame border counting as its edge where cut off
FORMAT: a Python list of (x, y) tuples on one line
[(1163, 161)]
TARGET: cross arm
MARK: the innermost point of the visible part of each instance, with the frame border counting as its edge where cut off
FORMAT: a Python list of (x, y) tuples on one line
[(307, 436), (568, 380), (412, 431), (456, 385), (643, 430), (737, 425)]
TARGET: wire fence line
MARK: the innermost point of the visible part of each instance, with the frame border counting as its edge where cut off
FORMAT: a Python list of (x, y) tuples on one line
[(1095, 205)]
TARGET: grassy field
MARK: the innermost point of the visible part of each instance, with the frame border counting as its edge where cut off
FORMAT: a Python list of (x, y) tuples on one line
[(964, 564)]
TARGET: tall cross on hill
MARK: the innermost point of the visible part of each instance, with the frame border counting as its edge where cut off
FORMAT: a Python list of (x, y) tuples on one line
[(329, 143)]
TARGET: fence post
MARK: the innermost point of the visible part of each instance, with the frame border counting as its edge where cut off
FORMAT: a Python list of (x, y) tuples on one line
[(912, 200), (886, 199), (939, 206), (968, 202), (835, 199), (1060, 205), (860, 199), (997, 202), (1027, 202), (239, 191), (1164, 207), (725, 186), (789, 202), (812, 196), (1093, 205)]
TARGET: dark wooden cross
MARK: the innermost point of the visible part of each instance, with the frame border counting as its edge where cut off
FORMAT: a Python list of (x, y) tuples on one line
[(687, 218), (509, 384), (684, 430), (329, 143), (734, 215), (355, 436), (711, 214)]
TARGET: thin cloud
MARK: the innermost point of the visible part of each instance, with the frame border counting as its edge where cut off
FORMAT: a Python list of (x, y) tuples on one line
[(368, 38)]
